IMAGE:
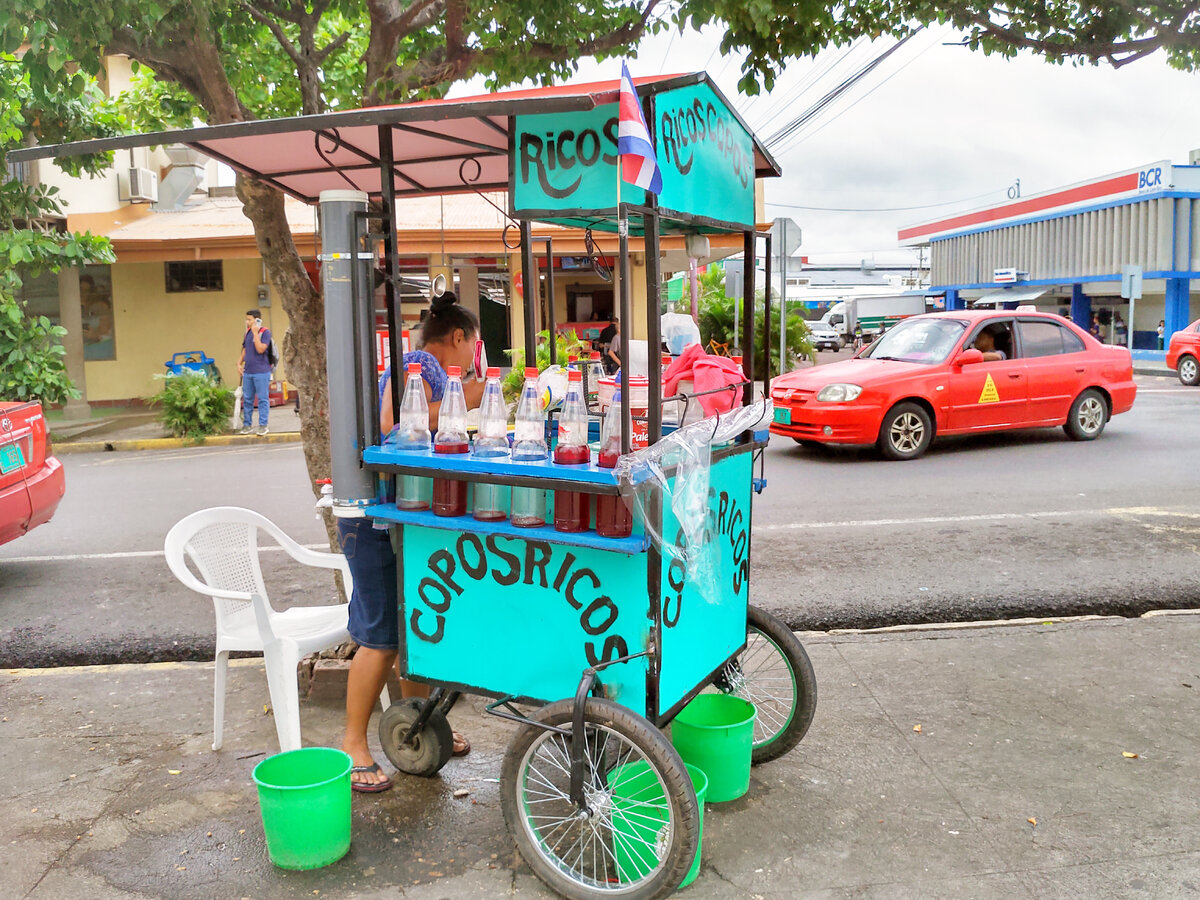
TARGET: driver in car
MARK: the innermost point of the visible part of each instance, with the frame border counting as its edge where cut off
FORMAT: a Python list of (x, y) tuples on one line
[(986, 344)]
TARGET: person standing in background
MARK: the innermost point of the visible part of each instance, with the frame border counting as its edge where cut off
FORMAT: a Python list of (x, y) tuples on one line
[(255, 368), (1162, 327)]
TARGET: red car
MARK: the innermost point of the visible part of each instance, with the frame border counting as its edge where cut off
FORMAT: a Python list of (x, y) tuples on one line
[(1183, 353), (962, 372), (31, 480)]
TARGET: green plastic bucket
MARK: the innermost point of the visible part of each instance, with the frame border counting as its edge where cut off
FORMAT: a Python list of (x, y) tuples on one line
[(639, 816), (700, 783), (715, 733), (304, 796)]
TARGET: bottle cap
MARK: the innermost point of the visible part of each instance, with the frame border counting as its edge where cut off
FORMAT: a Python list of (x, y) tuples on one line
[(414, 368), (454, 371), (738, 360), (595, 354), (493, 372), (574, 375), (531, 372), (572, 358)]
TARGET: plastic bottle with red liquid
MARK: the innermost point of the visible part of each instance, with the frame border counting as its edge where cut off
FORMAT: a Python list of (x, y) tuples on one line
[(593, 371), (450, 494), (529, 445), (572, 509), (491, 442), (613, 517), (411, 434)]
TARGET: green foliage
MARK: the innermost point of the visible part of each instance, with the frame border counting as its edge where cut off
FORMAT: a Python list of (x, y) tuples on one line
[(31, 357), (566, 346), (193, 405), (716, 324)]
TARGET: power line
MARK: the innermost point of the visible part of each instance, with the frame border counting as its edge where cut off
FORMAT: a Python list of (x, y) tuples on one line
[(854, 209), (821, 105), (810, 78)]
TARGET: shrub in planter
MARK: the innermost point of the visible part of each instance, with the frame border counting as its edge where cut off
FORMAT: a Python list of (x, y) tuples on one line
[(192, 405)]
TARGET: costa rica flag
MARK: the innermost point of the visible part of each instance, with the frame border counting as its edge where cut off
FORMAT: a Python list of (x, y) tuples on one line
[(639, 165)]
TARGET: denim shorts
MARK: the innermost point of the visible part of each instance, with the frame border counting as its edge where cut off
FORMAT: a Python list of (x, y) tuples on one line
[(374, 603)]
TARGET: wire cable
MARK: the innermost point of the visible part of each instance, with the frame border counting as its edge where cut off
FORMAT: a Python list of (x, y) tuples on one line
[(874, 209)]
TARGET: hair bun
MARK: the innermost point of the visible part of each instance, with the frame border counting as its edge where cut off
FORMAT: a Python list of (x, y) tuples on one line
[(443, 302)]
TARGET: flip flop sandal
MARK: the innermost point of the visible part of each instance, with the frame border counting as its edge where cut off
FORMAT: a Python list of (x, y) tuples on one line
[(368, 787), (460, 741)]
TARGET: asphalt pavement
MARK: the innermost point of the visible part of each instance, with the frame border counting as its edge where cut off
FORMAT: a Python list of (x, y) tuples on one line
[(1048, 760)]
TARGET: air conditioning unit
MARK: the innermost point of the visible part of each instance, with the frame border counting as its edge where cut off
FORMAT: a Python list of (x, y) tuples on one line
[(143, 185)]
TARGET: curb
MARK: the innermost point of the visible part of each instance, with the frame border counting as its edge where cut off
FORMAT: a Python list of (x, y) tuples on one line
[(219, 440)]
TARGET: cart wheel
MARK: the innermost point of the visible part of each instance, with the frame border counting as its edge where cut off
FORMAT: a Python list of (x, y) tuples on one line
[(637, 836), (430, 748), (773, 673)]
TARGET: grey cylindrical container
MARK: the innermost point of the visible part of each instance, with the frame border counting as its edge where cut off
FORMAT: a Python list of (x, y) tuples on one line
[(353, 486)]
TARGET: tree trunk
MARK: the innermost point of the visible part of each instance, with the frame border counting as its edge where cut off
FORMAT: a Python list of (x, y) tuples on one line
[(304, 343)]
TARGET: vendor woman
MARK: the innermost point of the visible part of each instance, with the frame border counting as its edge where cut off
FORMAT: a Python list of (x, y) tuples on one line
[(447, 338)]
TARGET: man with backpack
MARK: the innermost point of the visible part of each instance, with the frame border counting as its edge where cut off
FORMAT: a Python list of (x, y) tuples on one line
[(255, 366)]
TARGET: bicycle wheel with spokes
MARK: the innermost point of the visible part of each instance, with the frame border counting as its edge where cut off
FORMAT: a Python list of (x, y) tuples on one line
[(635, 835), (775, 674)]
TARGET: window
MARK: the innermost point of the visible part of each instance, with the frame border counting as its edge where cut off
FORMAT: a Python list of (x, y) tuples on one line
[(1047, 339), (197, 275)]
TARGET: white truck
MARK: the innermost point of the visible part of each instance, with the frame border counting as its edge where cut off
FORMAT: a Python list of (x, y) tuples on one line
[(873, 313)]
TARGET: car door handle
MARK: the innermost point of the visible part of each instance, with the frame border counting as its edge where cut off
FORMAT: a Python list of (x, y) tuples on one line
[(1014, 374), (1079, 370)]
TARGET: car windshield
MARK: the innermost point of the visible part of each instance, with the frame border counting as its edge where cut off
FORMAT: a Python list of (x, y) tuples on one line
[(919, 340)]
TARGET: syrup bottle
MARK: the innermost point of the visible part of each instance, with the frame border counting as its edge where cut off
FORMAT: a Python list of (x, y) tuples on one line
[(411, 435), (529, 445), (572, 509), (593, 371), (491, 442), (613, 517), (450, 494)]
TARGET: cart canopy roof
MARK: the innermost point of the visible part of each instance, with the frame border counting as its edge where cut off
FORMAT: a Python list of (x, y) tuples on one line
[(462, 144)]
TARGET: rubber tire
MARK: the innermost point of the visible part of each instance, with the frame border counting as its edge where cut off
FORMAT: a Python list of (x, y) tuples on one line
[(884, 442), (1193, 367), (1074, 430), (658, 750), (804, 684), (432, 746)]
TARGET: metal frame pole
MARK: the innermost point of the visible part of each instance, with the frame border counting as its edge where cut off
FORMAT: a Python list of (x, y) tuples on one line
[(532, 290), (767, 315), (391, 255), (749, 246), (650, 243), (626, 316)]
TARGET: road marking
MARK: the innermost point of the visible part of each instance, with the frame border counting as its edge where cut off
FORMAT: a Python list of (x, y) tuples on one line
[(171, 455), (935, 520), (126, 554), (118, 668)]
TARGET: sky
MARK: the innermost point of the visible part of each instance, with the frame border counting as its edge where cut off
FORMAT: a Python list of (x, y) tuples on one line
[(933, 131)]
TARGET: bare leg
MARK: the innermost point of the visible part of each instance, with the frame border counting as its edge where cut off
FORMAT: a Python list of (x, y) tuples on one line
[(368, 672)]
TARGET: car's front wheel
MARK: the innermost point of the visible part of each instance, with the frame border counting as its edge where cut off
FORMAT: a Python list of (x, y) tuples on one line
[(1087, 417), (1189, 370), (906, 432)]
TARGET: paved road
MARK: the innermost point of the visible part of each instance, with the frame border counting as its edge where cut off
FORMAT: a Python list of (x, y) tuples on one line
[(1021, 524)]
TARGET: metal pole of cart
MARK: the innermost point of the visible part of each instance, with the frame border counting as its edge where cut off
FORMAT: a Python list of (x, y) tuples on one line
[(529, 277), (650, 242), (767, 314), (749, 246), (783, 277), (626, 321), (353, 486), (391, 257)]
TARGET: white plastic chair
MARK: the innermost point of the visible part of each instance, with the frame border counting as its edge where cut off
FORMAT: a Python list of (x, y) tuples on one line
[(223, 544)]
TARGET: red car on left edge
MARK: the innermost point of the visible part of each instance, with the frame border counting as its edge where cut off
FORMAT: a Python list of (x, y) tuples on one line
[(963, 372), (31, 479)]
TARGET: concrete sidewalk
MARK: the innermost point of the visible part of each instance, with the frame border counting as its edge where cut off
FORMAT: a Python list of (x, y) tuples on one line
[(1036, 759), (143, 431)]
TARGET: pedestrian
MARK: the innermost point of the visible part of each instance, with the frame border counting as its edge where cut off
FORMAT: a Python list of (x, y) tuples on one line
[(447, 338), (1162, 327), (858, 336), (612, 356), (1095, 329), (255, 369), (603, 341), (1120, 333)]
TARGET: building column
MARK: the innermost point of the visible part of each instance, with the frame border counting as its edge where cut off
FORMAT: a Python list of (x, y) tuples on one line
[(954, 300), (1081, 307), (70, 316), (468, 288), (1177, 311)]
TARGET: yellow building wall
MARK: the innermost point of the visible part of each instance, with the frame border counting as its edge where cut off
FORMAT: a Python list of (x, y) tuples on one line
[(150, 325)]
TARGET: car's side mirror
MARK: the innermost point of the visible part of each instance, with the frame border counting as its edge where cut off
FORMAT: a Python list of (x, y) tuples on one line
[(969, 357)]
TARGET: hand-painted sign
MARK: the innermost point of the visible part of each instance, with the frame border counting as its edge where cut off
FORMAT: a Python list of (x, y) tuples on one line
[(704, 614), (568, 161), (706, 156), (518, 616)]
